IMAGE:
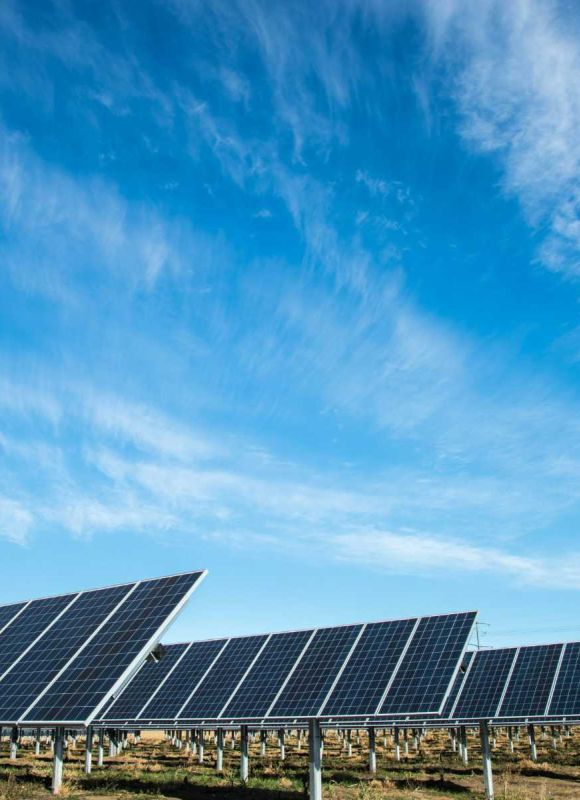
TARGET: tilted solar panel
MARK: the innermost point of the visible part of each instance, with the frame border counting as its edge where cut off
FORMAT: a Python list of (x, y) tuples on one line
[(62, 657), (271, 669), (531, 681), (365, 678), (213, 692), (183, 681), (457, 684), (429, 665), (314, 676), (485, 684), (150, 677), (565, 701)]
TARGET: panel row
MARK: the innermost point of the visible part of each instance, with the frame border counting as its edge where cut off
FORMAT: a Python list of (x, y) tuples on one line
[(518, 683), (400, 666)]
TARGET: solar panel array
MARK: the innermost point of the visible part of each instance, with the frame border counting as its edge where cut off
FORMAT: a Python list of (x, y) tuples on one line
[(62, 657), (518, 683), (375, 669)]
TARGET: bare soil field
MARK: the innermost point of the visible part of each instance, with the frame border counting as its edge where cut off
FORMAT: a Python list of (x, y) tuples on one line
[(155, 769)]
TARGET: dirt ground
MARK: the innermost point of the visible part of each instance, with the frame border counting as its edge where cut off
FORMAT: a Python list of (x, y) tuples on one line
[(155, 769)]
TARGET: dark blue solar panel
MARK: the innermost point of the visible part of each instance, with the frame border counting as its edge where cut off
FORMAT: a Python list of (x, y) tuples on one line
[(30, 624), (457, 683), (531, 681), (485, 684), (311, 681), (429, 664), (139, 691), (9, 612), (181, 683), (92, 674), (40, 665), (267, 675), (214, 691), (566, 699), (365, 678)]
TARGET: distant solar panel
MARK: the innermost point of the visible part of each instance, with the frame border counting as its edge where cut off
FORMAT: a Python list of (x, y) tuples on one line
[(182, 682), (365, 678), (429, 665), (268, 674), (214, 691), (345, 671), (484, 687), (62, 657), (529, 687), (309, 684), (151, 676), (565, 701)]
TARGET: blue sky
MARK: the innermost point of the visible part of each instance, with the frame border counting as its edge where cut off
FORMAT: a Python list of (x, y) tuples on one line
[(289, 291)]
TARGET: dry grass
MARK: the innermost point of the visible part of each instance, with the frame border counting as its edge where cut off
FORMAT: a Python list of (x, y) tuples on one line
[(154, 769)]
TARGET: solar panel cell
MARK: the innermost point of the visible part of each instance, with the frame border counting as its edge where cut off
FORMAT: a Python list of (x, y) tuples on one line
[(7, 613)]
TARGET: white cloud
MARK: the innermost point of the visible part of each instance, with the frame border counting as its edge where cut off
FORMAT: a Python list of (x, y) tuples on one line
[(517, 93), (416, 553), (16, 520)]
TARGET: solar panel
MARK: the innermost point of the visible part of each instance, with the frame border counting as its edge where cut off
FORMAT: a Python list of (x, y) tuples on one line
[(565, 701), (38, 667), (330, 672), (21, 634), (364, 680), (62, 657), (271, 669), (181, 683), (531, 681), (311, 681), (429, 665), (132, 699), (215, 690), (485, 684)]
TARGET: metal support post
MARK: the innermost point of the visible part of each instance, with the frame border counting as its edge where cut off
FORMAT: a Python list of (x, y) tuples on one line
[(219, 762), (314, 741), (244, 761), (486, 758), (58, 760), (372, 751), (532, 741), (89, 750)]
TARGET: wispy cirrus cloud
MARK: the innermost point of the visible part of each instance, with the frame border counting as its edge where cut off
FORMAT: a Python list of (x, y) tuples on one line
[(514, 73)]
